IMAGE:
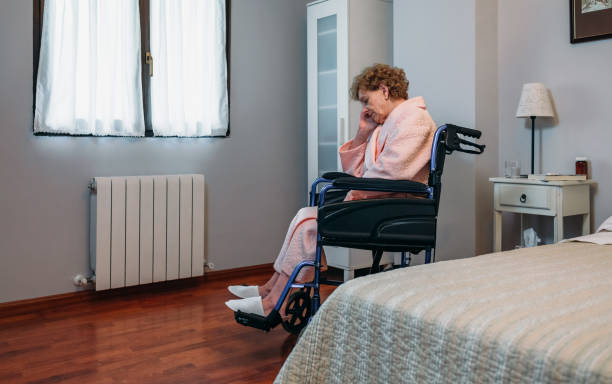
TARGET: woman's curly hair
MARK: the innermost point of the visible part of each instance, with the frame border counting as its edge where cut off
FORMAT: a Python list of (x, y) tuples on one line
[(371, 77)]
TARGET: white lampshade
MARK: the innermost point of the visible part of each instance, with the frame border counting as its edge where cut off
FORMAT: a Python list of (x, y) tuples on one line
[(534, 101)]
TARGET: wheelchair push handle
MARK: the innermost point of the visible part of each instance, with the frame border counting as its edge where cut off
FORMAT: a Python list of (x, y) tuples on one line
[(455, 143), (466, 131), (479, 148)]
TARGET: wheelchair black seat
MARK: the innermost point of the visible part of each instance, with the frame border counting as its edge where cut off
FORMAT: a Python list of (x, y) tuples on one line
[(393, 224)]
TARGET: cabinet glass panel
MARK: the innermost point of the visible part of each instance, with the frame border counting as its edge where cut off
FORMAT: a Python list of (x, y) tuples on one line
[(327, 94)]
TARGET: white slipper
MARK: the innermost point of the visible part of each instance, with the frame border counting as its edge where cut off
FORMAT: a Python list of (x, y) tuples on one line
[(244, 291), (248, 305)]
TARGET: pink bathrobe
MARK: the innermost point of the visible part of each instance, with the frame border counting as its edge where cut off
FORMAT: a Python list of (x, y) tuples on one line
[(400, 149)]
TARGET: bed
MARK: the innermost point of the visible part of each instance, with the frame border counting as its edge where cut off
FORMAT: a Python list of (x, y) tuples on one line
[(533, 315)]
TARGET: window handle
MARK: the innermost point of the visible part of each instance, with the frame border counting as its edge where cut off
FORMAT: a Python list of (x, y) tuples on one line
[(149, 61)]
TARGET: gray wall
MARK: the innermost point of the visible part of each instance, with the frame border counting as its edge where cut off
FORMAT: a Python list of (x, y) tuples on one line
[(470, 61), (44, 196), (579, 79), (435, 43)]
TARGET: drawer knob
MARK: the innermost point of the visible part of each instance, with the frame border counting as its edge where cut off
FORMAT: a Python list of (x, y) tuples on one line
[(523, 198)]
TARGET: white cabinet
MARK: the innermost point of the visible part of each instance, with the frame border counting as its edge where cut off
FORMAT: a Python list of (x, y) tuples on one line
[(343, 37), (327, 75)]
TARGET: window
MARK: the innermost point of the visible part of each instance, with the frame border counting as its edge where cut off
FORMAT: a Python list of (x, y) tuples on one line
[(131, 67)]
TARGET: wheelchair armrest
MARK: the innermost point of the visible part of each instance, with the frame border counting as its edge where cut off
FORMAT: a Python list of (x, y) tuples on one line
[(335, 175), (327, 177), (382, 185)]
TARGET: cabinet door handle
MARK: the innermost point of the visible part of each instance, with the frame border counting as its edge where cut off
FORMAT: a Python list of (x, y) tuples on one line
[(523, 198)]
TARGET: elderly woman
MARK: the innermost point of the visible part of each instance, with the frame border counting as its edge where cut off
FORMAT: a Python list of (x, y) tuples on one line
[(393, 141)]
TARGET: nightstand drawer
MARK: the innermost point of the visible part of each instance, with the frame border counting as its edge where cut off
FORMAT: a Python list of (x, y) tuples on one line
[(528, 196)]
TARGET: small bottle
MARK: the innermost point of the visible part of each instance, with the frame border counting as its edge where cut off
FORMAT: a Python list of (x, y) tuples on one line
[(581, 166)]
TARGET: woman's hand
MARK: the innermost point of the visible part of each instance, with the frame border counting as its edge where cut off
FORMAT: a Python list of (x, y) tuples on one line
[(366, 126)]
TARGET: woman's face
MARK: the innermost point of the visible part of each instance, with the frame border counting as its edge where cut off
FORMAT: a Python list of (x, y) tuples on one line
[(377, 103)]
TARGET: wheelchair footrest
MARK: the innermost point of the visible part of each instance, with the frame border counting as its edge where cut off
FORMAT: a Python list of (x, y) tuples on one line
[(256, 321)]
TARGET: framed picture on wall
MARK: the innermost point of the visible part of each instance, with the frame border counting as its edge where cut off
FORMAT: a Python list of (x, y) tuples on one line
[(590, 20)]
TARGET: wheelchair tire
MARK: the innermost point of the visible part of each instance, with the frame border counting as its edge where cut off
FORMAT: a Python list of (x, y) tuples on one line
[(299, 310)]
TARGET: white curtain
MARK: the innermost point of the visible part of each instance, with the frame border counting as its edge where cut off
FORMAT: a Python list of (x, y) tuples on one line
[(189, 84), (89, 71)]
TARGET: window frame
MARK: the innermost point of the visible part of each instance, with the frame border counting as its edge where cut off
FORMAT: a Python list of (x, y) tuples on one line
[(39, 6)]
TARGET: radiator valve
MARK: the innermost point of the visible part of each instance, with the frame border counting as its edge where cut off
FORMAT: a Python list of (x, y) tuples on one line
[(81, 280)]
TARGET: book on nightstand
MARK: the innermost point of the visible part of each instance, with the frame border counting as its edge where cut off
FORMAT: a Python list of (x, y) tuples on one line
[(556, 177)]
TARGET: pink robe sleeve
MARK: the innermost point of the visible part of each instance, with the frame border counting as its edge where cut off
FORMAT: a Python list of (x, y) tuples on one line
[(406, 151), (352, 158), (405, 154)]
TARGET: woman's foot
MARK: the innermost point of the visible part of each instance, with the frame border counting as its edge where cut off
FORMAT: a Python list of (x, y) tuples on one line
[(248, 305), (264, 306), (265, 289), (244, 291), (270, 300)]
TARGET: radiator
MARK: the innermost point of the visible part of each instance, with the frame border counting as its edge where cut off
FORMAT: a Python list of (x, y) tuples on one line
[(146, 229)]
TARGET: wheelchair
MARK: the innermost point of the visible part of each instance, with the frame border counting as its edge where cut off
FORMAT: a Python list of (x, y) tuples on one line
[(380, 225)]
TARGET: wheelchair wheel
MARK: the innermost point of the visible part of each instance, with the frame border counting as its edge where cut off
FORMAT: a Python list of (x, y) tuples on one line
[(299, 309)]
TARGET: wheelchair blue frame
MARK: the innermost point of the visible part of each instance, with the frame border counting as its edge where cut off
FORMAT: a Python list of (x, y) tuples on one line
[(317, 263)]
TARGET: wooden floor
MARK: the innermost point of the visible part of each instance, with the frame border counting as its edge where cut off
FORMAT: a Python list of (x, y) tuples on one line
[(167, 334)]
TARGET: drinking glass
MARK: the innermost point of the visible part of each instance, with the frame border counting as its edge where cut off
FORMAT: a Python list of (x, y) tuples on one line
[(512, 168)]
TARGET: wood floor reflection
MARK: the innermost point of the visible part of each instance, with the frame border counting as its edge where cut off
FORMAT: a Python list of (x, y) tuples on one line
[(168, 334)]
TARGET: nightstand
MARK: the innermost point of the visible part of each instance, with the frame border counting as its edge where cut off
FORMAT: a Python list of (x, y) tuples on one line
[(547, 198)]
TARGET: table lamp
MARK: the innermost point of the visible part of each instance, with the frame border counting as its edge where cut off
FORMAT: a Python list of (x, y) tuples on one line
[(534, 102)]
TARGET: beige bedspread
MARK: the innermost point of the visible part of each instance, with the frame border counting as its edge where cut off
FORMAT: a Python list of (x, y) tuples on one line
[(535, 315)]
